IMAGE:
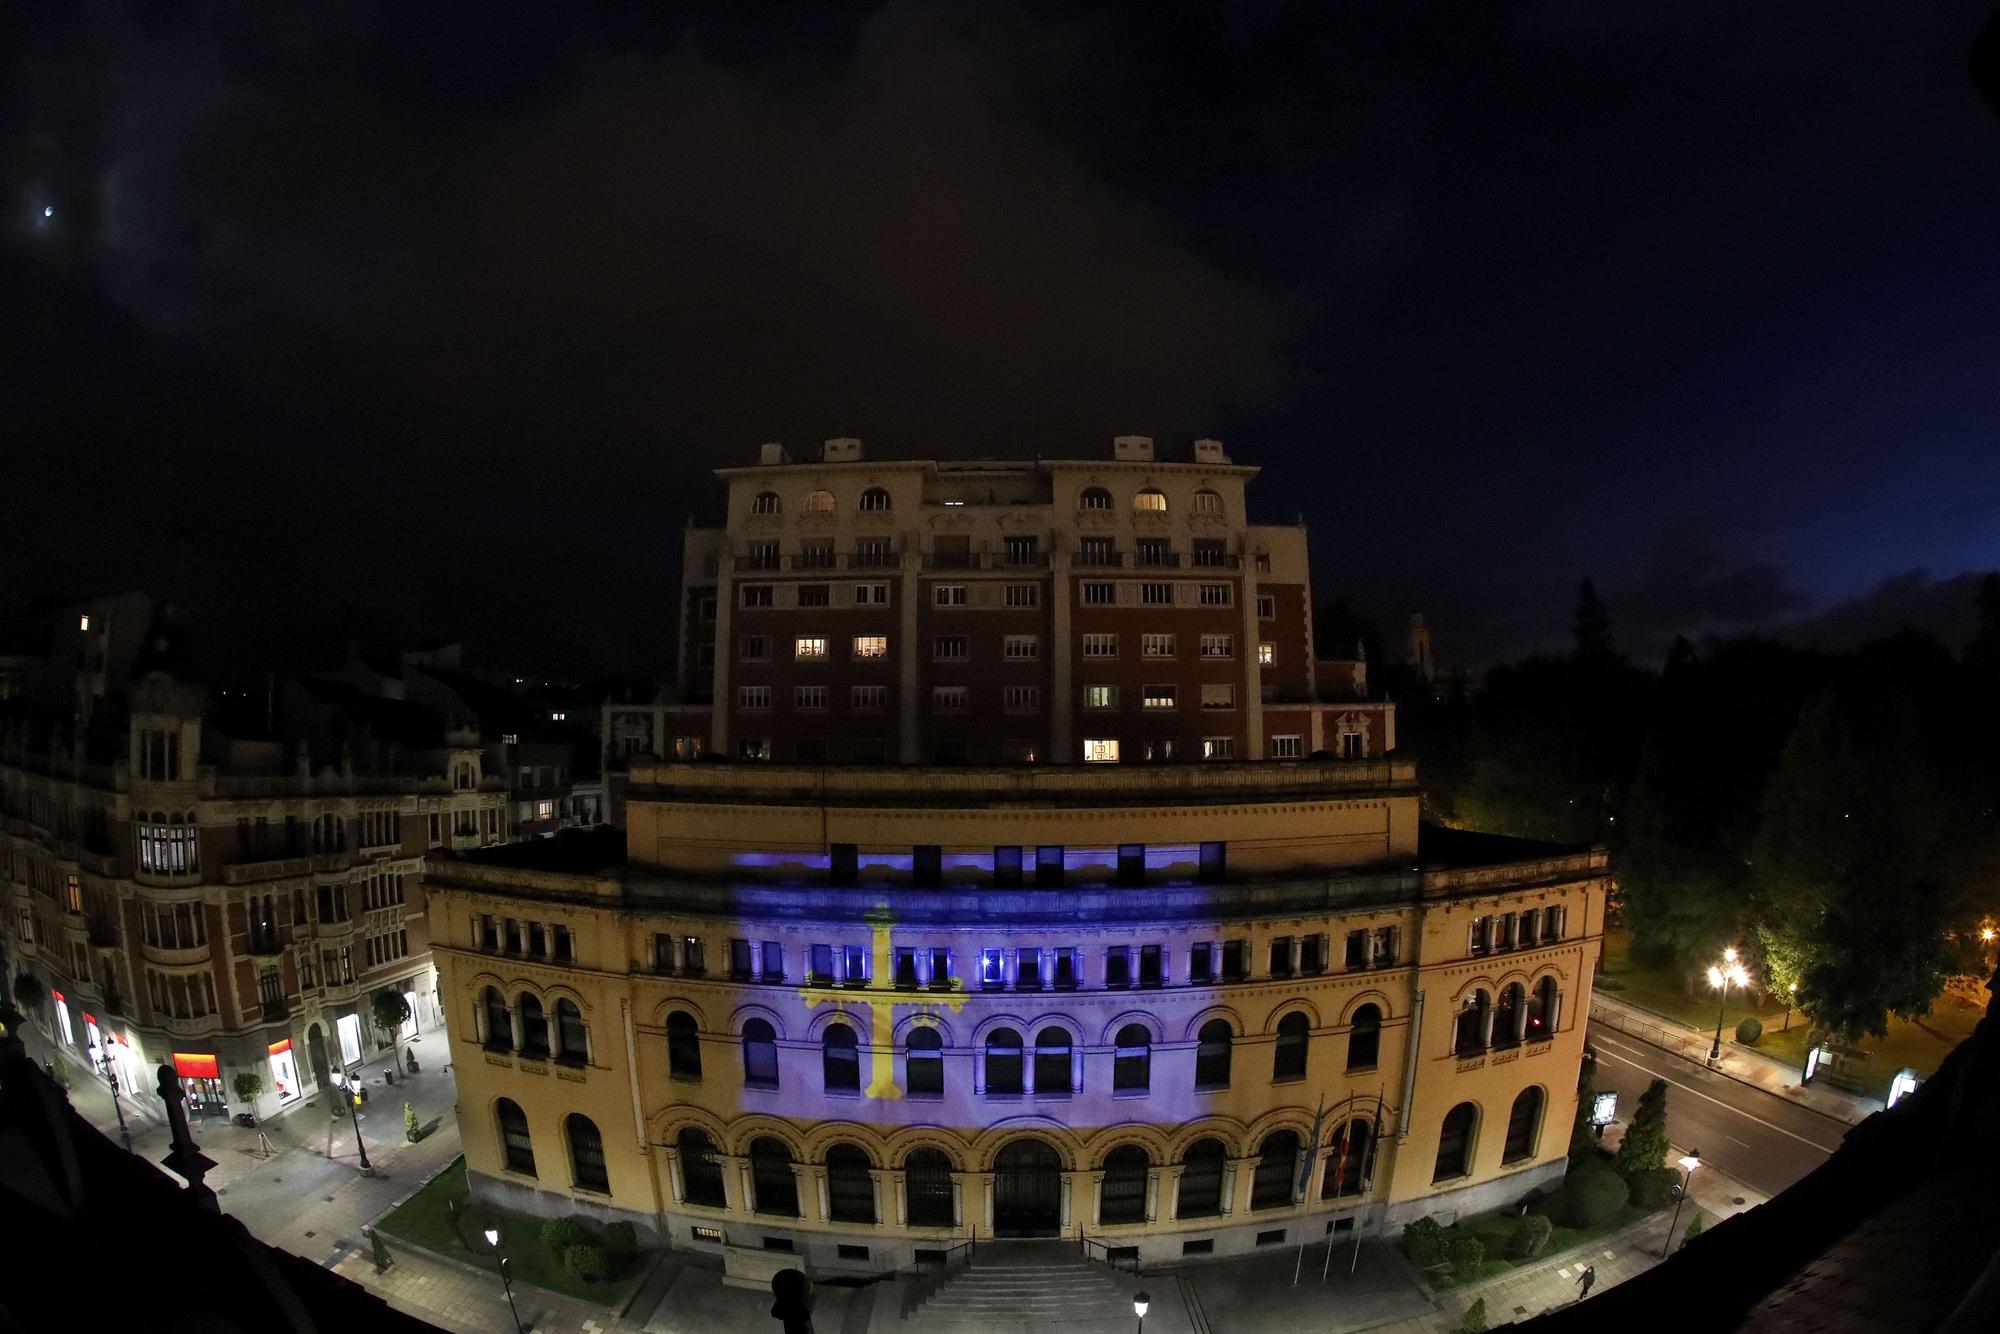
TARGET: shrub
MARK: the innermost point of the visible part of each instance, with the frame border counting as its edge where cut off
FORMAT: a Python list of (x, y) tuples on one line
[(1645, 1144), (1694, 1229), (390, 1012), (1463, 1252), (1593, 1197), (1474, 1321), (621, 1239), (380, 1251), (1750, 1031), (1531, 1238), (1583, 1135), (409, 1123), (29, 993), (1653, 1188), (1423, 1242), (586, 1261), (559, 1234)]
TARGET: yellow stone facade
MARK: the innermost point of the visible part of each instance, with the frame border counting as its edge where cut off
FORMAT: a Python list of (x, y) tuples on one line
[(885, 1040)]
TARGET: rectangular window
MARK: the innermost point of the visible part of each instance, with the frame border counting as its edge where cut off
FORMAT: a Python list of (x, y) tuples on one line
[(1209, 553), (1097, 593), (1156, 595), (1100, 697), (815, 556), (1218, 748), (1100, 750), (1131, 863), (1024, 595), (948, 648), (1218, 696), (753, 748), (809, 647), (871, 595), (1158, 697), (1281, 956), (950, 699), (1117, 967), (948, 595), (1049, 866), (992, 968), (1152, 966), (927, 864), (854, 965), (1235, 960), (869, 699), (1267, 654), (708, 610), (819, 965), (756, 595), (874, 552), (1214, 862), (663, 952), (809, 698), (1288, 747), (1352, 746), (742, 959), (871, 646), (1312, 954), (1024, 551), (1094, 551), (773, 961), (1154, 551), (692, 959), (1161, 748), (1218, 646), (1215, 595), (1201, 963), (1021, 648), (763, 555), (843, 865), (815, 595), (1267, 608), (753, 697), (1064, 976), (1100, 646), (1007, 866), (1156, 646), (1021, 699), (1027, 970)]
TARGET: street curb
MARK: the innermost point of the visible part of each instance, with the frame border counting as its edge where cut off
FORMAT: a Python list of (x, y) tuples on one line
[(1862, 1114)]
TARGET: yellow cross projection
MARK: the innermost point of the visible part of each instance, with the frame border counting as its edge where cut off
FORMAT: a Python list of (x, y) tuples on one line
[(882, 1011)]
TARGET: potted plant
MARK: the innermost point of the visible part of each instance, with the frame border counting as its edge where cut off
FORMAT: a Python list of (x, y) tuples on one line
[(410, 1131)]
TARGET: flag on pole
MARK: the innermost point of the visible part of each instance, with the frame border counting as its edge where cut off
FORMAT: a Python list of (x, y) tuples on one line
[(1312, 1154), (1340, 1163)]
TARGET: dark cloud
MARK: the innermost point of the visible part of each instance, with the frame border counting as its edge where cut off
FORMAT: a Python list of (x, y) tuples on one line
[(1688, 587), (1914, 600)]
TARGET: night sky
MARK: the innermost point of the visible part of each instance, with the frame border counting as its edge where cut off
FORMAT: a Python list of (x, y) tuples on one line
[(430, 319)]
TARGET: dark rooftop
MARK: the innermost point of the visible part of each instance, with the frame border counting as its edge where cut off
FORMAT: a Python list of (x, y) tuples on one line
[(574, 851), (1460, 849)]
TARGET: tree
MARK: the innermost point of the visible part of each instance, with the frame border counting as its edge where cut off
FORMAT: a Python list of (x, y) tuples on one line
[(29, 993), (1592, 624), (247, 1085), (1644, 1148), (1475, 1318), (1582, 1134), (391, 1012)]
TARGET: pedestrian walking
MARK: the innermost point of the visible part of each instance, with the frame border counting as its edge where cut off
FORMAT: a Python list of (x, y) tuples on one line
[(1585, 1281)]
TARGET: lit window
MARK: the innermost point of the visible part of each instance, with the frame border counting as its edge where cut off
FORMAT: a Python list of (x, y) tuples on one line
[(1150, 500), (820, 502), (1100, 697), (948, 595), (871, 646), (753, 748), (1159, 697), (1100, 750), (1218, 646), (950, 699), (809, 646), (1022, 648), (1267, 654), (83, 624), (1100, 646), (1156, 646), (1288, 747), (1218, 748)]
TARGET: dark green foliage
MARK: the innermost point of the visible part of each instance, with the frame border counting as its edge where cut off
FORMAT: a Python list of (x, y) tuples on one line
[(1424, 1243), (1593, 1196), (1592, 624), (1655, 1187), (1463, 1252), (410, 1123), (1693, 1229), (621, 1239), (390, 1012), (379, 1250), (29, 993), (1531, 1238), (1583, 1135), (1750, 1030), (247, 1085), (1644, 1148), (1474, 1321), (559, 1234), (586, 1261)]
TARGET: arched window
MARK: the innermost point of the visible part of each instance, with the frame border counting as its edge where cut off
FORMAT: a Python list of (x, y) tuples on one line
[(1052, 1063), (850, 1188), (1524, 1125), (1543, 1010), (820, 502), (1201, 1179), (1508, 1015), (1094, 498), (572, 1039), (1132, 1066), (923, 1068), (1122, 1197), (1207, 502), (766, 502), (683, 1046), (586, 1154), (1277, 1165), (927, 1188), (1364, 1042), (1468, 1034), (1347, 1160), (499, 1025), (1455, 1143), (514, 1140), (1211, 1055), (534, 1027), (701, 1169), (760, 1054), (776, 1189), (1003, 1061), (1288, 1054), (874, 500), (1150, 500), (840, 1059)]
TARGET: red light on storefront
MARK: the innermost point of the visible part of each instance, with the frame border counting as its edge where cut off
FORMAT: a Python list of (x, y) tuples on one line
[(279, 1047), (58, 995), (195, 1066)]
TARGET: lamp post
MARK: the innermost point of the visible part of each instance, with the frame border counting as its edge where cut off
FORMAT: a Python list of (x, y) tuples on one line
[(1722, 977), (506, 1283), (1140, 1301), (1791, 999), (352, 1085), (111, 1077), (1688, 1164)]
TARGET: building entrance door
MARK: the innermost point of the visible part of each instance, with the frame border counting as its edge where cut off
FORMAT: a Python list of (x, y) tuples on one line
[(284, 1072), (316, 1056), (1027, 1190)]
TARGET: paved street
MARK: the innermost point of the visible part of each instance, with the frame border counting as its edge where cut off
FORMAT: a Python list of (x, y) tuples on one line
[(1761, 1139)]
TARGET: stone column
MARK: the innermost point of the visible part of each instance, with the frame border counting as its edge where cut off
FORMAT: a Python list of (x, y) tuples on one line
[(1068, 1198), (814, 1207), (899, 1193), (1520, 1033), (1095, 1181), (1236, 1185), (985, 1180), (1168, 1196), (877, 1179), (670, 1154), (514, 1022), (1153, 1194), (1486, 1026), (735, 1182)]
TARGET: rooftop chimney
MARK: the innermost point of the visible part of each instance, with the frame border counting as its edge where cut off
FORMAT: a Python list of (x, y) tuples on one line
[(772, 453), (846, 449), (1132, 448), (1210, 451)]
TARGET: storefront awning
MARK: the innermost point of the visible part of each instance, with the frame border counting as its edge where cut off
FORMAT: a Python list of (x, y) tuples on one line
[(189, 1066), (58, 996), (278, 1048)]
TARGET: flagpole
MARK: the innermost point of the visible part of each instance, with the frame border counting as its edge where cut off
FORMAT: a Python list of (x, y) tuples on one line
[(1304, 1181), (1340, 1179), (1367, 1164)]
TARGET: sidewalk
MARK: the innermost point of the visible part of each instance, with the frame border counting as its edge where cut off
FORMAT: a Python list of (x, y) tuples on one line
[(1737, 1061)]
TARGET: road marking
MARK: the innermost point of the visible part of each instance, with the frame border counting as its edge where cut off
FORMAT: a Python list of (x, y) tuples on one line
[(1601, 1043)]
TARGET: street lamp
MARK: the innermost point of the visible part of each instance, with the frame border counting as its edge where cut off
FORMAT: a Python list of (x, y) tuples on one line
[(1688, 1164), (1722, 977), (1791, 999), (352, 1086), (506, 1283), (103, 1055), (1140, 1301)]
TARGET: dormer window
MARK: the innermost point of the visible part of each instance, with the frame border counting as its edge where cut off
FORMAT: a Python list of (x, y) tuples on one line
[(1207, 502)]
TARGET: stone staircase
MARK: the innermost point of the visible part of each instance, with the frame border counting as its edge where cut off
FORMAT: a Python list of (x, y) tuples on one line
[(1027, 1285)]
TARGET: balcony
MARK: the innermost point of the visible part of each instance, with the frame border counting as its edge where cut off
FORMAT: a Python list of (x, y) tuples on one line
[(1091, 560), (1216, 560), (103, 864), (168, 956), (265, 866), (1156, 560), (274, 1011), (986, 560), (261, 945), (327, 863)]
